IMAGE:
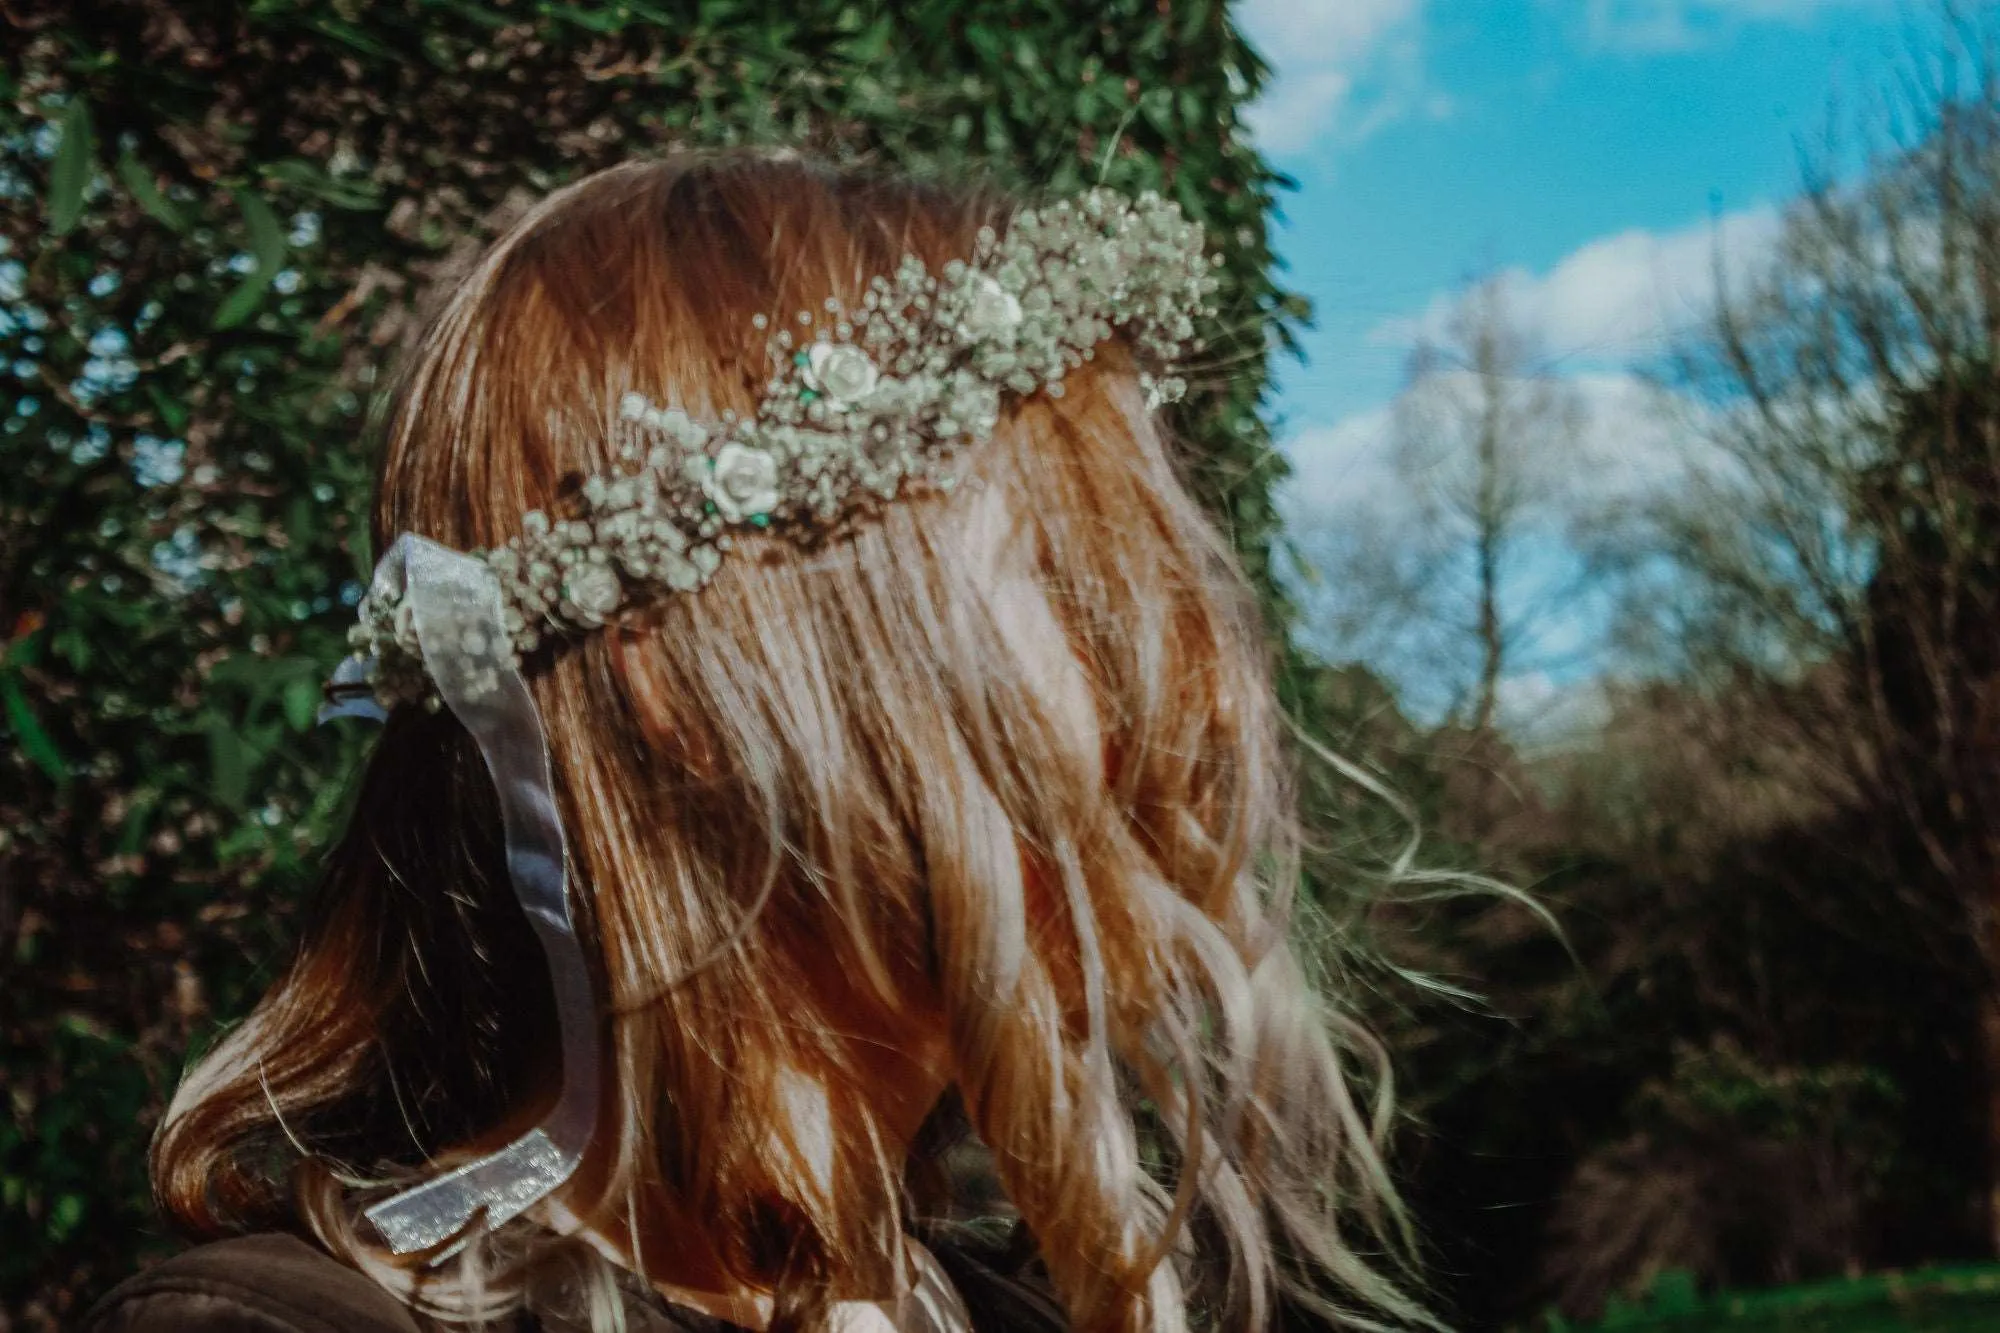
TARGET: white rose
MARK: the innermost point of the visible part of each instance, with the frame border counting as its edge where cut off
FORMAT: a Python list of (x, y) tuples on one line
[(592, 594), (841, 371), (989, 309), (744, 481)]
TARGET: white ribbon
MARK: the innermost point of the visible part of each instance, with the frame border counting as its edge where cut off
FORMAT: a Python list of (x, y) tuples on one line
[(456, 610)]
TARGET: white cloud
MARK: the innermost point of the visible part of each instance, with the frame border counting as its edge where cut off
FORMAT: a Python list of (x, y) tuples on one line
[(1634, 439), (1378, 581), (1637, 438), (1320, 32), (1298, 108), (1347, 463), (1684, 25), (1341, 68), (1618, 297), (1363, 529), (1606, 305)]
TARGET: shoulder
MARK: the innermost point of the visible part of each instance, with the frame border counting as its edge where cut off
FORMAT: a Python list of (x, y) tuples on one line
[(251, 1284)]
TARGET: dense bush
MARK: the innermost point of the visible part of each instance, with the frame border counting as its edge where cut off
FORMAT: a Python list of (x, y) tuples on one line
[(219, 218)]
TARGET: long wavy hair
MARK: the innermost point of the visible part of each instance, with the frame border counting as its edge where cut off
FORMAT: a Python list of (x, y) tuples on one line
[(1002, 763)]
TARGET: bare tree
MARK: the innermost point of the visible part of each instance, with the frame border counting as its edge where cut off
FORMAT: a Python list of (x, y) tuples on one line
[(1835, 552), (1448, 577), (1485, 437)]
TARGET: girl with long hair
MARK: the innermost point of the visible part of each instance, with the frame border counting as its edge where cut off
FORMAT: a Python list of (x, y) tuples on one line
[(899, 740)]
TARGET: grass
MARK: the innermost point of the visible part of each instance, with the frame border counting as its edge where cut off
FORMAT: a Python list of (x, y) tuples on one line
[(1928, 1300)]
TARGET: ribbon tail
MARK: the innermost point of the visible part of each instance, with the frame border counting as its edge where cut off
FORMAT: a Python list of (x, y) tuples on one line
[(458, 615), (355, 678)]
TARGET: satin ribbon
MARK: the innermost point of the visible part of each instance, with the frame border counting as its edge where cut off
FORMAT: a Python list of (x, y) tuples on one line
[(456, 610)]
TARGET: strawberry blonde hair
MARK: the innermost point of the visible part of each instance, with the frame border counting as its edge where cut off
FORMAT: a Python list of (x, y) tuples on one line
[(842, 780)]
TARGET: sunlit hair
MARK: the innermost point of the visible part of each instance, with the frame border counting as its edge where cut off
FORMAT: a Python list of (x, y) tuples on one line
[(1003, 763)]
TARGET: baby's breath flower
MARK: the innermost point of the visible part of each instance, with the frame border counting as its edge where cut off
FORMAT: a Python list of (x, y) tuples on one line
[(917, 370), (990, 309)]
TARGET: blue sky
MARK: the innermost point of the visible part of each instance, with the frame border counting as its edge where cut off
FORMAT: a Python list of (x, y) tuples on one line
[(1593, 151)]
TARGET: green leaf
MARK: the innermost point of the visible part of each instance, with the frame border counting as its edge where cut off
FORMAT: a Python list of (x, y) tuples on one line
[(986, 43), (302, 699), (310, 179), (73, 646), (267, 234), (1193, 111), (267, 247), (146, 192), (242, 302), (64, 1217), (25, 650), (74, 162), (28, 733), (360, 548), (301, 520), (591, 20), (247, 670), (228, 764), (348, 34), (173, 412), (133, 832), (871, 45)]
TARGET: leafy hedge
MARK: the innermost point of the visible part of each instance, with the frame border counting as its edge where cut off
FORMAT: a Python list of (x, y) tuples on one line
[(218, 218)]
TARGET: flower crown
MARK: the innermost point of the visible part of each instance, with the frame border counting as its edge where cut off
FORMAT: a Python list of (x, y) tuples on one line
[(859, 402)]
